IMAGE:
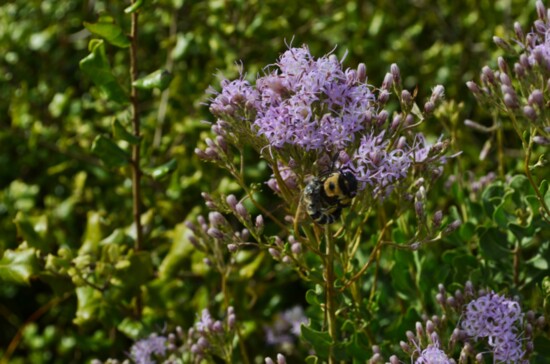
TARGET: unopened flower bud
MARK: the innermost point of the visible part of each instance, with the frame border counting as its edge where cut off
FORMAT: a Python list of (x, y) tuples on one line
[(488, 74), (217, 327), (473, 87), (396, 122), (409, 120), (215, 233), (541, 322), (274, 253), (259, 222), (296, 248), (519, 70), (540, 140), (429, 107), (453, 226), (231, 201), (220, 140), (541, 10), (419, 329), (511, 100), (382, 117), (406, 98), (502, 44), (505, 79), (287, 259), (438, 216), (388, 82), (241, 210), (404, 346), (281, 359), (394, 360), (401, 142), (394, 69), (383, 97), (437, 93), (529, 112), (362, 72), (232, 248), (216, 219), (536, 98)]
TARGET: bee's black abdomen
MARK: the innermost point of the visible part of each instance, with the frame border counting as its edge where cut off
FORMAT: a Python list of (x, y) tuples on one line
[(325, 197)]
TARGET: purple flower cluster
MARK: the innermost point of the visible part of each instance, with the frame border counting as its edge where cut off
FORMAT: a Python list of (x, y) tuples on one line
[(494, 317), (142, 350), (286, 328), (433, 354), (211, 337), (306, 102), (538, 45)]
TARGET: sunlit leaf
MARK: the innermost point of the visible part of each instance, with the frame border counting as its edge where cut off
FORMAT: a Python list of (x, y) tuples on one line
[(120, 132), (109, 31), (159, 79), (17, 266)]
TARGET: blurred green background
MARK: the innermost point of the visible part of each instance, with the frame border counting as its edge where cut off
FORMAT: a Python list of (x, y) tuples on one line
[(50, 114)]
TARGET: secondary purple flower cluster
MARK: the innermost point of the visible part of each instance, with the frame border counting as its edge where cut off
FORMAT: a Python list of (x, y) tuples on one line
[(286, 328), (211, 337), (498, 319), (519, 90), (143, 350), (486, 323), (306, 102)]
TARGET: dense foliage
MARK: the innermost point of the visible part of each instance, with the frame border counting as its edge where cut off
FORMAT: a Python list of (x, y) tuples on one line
[(162, 163)]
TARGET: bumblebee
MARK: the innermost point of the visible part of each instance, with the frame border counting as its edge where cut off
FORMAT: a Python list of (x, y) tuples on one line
[(326, 196)]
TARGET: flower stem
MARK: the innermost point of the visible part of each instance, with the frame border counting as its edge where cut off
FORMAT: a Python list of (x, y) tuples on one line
[(330, 304), (135, 165)]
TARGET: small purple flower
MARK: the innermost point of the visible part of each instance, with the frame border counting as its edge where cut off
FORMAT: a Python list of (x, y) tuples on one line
[(491, 316), (142, 350), (433, 355), (287, 326)]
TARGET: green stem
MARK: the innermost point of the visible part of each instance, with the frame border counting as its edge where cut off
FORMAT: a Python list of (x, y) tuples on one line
[(528, 150), (135, 165), (330, 304)]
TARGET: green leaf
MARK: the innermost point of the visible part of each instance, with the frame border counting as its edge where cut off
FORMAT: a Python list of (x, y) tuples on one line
[(138, 270), (109, 31), (89, 308), (110, 153), (493, 244), (26, 230), (121, 133), (134, 7), (96, 66), (319, 340), (163, 170), (159, 79), (17, 266), (248, 270), (131, 328), (312, 359)]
